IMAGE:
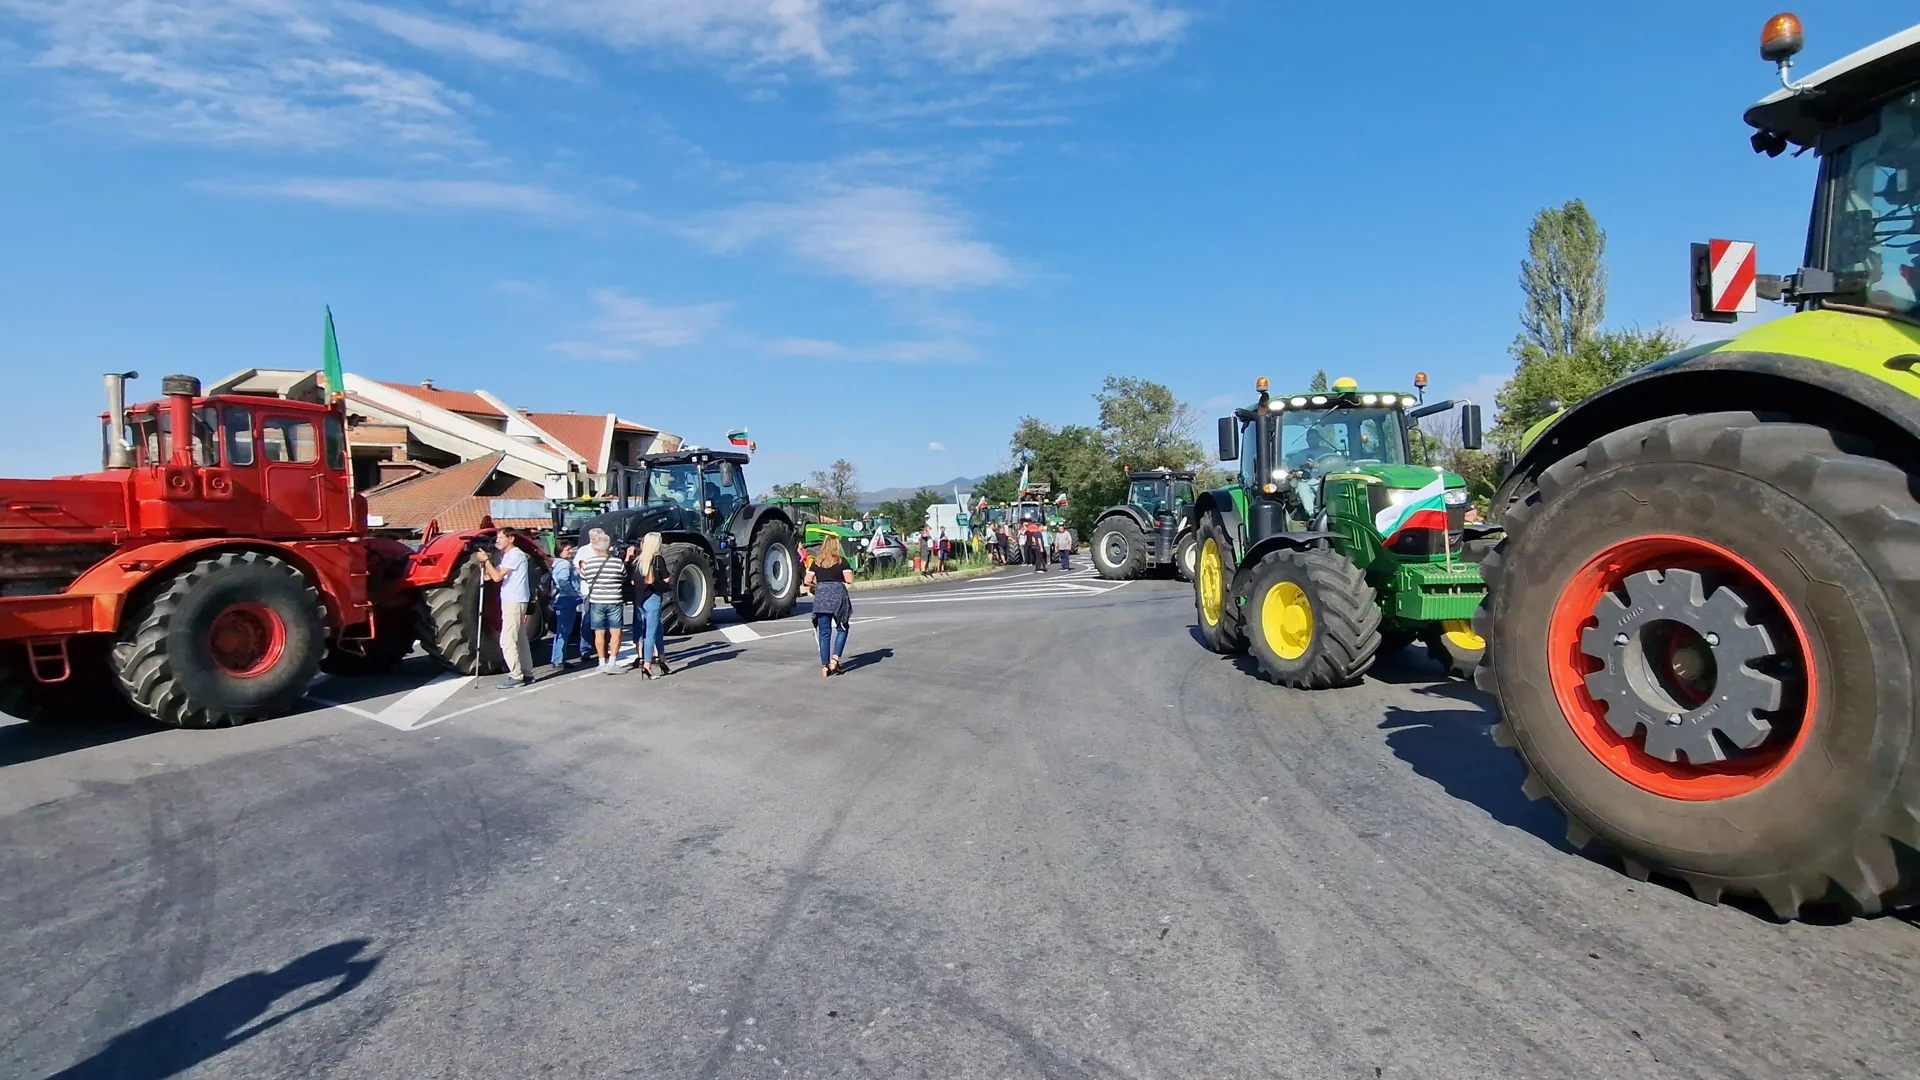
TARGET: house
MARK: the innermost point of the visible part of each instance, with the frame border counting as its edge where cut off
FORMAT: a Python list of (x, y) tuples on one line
[(400, 434)]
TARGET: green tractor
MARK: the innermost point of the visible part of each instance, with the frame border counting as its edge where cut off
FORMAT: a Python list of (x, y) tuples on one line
[(805, 512), (1704, 618), (1334, 544), (1153, 529)]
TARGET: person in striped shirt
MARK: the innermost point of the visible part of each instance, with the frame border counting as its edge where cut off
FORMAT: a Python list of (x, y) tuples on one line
[(603, 574)]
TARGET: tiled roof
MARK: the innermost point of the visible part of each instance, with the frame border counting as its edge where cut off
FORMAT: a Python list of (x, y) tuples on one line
[(460, 401), (585, 435), (410, 504), (632, 428)]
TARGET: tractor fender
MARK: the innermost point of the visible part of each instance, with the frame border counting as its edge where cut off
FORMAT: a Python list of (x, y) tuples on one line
[(1800, 388), (1220, 506), (1147, 524), (1296, 541), (439, 559), (96, 600), (747, 522)]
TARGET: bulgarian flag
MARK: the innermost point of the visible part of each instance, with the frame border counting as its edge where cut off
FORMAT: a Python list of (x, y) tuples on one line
[(1426, 508), (738, 437)]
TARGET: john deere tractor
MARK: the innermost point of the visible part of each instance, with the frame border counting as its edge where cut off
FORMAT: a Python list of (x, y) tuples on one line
[(1154, 528), (1335, 543), (813, 528), (1705, 614)]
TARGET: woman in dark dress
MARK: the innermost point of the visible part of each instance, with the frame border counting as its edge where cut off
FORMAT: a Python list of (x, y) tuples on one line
[(832, 603)]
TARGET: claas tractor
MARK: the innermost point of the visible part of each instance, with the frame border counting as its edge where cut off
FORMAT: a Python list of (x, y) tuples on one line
[(1334, 543), (1704, 618), (717, 542), (206, 577), (1153, 529)]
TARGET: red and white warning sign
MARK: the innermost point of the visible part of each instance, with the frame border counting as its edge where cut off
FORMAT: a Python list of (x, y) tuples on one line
[(1733, 276)]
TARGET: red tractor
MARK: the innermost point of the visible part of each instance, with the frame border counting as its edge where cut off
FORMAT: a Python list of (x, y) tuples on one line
[(208, 579)]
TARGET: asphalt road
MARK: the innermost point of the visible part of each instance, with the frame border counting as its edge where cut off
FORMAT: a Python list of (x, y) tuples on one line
[(1036, 832)]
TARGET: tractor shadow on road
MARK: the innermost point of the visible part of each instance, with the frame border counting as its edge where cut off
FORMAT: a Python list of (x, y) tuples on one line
[(21, 743), (226, 1016), (1453, 747)]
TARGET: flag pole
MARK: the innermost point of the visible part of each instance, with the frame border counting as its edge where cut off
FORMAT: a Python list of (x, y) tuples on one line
[(336, 381)]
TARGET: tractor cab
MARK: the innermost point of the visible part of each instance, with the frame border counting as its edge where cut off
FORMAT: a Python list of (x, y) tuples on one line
[(1164, 495), (708, 485), (255, 465)]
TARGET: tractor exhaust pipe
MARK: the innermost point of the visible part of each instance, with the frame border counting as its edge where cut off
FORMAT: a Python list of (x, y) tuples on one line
[(119, 450), (180, 391)]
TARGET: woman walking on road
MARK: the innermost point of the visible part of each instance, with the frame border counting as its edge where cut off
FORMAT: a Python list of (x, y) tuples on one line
[(650, 584), (832, 604)]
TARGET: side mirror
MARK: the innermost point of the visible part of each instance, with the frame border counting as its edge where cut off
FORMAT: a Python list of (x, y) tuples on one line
[(1470, 427), (1229, 438), (726, 474)]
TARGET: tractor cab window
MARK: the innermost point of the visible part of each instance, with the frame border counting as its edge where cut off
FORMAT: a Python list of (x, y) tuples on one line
[(1149, 495), (1249, 439), (239, 430), (152, 437), (674, 485), (1873, 217), (1182, 499), (285, 440), (1319, 442), (336, 444), (725, 489)]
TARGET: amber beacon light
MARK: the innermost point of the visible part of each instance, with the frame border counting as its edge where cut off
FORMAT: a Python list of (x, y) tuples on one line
[(1781, 38)]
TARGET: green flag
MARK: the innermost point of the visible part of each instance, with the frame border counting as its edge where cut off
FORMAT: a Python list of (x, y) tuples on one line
[(330, 362)]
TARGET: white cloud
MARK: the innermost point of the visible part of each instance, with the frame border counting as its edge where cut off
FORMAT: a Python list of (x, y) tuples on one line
[(838, 37), (883, 235), (627, 324), (936, 447), (891, 352), (455, 38), (366, 193), (248, 72)]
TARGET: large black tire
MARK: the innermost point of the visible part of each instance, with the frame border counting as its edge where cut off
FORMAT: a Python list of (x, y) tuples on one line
[(458, 624), (772, 574), (1216, 570), (228, 639), (1119, 550), (688, 607), (1186, 551), (1834, 530), (1456, 647), (1328, 636)]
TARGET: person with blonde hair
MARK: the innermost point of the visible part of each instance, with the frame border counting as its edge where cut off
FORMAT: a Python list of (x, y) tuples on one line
[(832, 603), (651, 582)]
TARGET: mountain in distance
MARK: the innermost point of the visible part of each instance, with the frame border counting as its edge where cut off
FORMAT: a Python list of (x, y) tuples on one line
[(871, 499)]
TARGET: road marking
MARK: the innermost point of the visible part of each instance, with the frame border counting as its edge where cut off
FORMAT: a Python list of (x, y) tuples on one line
[(1057, 591), (740, 634), (809, 630), (414, 707)]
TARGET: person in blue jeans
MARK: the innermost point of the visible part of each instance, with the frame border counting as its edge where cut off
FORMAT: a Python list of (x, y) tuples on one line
[(832, 603), (651, 582), (566, 605)]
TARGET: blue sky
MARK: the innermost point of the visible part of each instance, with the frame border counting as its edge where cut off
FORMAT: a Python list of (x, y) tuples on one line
[(877, 229)]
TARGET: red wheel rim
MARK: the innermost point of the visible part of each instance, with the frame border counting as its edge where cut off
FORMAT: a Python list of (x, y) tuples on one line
[(1569, 665), (246, 640)]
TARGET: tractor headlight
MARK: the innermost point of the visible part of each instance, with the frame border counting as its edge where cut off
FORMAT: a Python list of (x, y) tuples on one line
[(1369, 399), (1456, 496), (1400, 496), (1276, 405), (1389, 399), (1298, 403), (1279, 475), (1319, 399)]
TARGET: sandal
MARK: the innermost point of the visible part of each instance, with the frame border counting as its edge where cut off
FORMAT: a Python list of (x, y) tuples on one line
[(660, 667), (833, 667), (824, 672)]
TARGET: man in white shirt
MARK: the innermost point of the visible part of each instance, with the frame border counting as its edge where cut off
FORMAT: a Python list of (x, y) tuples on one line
[(516, 596)]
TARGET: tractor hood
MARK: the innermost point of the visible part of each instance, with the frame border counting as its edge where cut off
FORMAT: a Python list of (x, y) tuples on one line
[(628, 526), (1397, 476)]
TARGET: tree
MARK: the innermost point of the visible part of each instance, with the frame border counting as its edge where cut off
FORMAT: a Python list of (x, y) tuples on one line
[(1541, 378), (1564, 279), (996, 487), (839, 488), (794, 490), (910, 514), (1319, 383), (1144, 426)]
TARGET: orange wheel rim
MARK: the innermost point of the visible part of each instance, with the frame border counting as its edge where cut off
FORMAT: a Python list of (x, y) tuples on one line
[(1571, 663), (246, 640)]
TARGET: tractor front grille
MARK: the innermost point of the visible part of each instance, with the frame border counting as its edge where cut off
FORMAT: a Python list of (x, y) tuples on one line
[(45, 569)]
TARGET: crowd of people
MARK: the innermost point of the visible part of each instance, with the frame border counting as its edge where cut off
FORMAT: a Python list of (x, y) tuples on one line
[(596, 586), (1030, 543)]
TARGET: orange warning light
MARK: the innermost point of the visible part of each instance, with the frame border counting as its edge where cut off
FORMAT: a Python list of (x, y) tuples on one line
[(1260, 384), (1780, 37), (1420, 379)]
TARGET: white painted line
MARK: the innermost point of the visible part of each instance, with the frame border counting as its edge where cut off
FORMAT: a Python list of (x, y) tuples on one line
[(414, 707), (509, 695), (354, 709), (809, 630), (740, 634)]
